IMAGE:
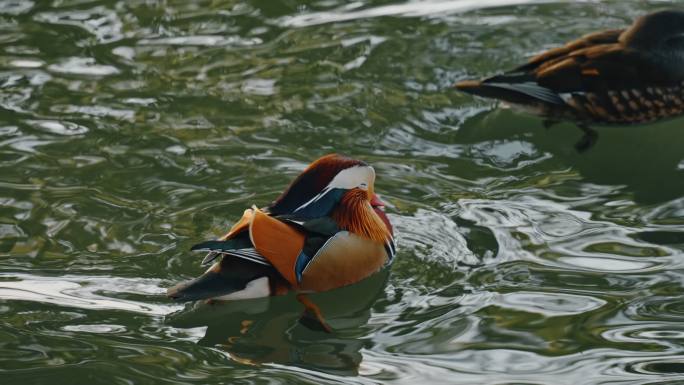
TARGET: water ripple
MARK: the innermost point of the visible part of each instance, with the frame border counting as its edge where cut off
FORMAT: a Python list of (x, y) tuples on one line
[(433, 236), (101, 22), (99, 329), (209, 41), (549, 304), (15, 7), (82, 292), (412, 9), (131, 130), (60, 128), (82, 66)]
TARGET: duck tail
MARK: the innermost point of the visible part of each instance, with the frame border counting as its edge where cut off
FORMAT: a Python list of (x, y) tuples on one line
[(512, 89), (493, 91)]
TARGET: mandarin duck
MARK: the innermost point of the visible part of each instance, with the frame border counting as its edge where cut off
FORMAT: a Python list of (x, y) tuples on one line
[(620, 76), (327, 230)]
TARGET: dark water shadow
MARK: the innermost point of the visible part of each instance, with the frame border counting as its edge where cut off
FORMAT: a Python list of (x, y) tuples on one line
[(269, 330), (648, 160)]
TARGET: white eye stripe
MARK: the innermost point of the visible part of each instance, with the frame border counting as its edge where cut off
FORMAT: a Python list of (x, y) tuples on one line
[(353, 177), (314, 199)]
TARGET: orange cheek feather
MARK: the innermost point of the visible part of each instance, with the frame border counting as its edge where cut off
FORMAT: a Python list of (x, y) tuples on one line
[(356, 215)]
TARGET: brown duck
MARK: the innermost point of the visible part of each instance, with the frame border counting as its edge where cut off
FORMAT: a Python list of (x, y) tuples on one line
[(622, 76)]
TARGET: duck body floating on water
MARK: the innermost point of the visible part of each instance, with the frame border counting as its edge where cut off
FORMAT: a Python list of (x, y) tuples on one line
[(621, 76), (327, 230)]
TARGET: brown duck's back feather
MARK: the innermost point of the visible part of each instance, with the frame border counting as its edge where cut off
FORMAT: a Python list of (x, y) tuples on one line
[(549, 57)]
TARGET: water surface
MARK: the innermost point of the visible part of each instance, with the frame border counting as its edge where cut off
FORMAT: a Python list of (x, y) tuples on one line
[(129, 130)]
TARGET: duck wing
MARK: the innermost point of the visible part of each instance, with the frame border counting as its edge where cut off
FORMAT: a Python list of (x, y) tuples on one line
[(553, 55), (270, 241), (546, 75), (260, 256)]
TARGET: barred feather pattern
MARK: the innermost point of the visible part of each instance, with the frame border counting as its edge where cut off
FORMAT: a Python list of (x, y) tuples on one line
[(630, 105), (355, 214)]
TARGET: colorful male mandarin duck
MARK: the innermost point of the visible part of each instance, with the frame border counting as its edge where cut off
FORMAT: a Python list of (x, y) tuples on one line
[(327, 230), (622, 76)]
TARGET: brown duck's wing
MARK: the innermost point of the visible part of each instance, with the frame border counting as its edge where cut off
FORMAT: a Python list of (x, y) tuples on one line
[(598, 62), (601, 68), (591, 69), (570, 68)]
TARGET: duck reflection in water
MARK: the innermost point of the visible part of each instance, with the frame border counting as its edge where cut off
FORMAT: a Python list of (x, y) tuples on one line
[(645, 164), (271, 330)]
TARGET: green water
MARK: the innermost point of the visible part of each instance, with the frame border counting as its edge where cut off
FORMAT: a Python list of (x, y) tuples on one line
[(130, 130)]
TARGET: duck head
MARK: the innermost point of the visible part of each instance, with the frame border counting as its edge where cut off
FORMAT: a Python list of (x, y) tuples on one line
[(656, 31), (339, 187), (661, 36)]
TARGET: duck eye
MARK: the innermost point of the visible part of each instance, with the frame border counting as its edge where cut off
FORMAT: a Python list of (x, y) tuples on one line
[(363, 185)]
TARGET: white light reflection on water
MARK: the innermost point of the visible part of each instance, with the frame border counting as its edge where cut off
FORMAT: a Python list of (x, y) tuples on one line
[(411, 9), (83, 292), (572, 236), (502, 366)]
